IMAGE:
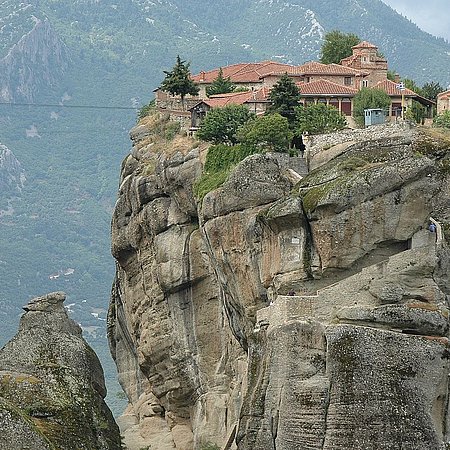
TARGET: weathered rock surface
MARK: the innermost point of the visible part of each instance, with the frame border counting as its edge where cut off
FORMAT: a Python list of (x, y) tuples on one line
[(209, 346), (52, 386)]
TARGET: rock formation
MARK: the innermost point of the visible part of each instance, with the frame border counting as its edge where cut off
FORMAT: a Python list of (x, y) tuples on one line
[(209, 346), (52, 386)]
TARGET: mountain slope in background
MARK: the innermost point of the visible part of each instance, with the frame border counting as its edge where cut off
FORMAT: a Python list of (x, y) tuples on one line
[(84, 66)]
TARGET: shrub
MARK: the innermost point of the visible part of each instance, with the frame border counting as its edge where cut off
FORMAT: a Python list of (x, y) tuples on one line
[(442, 120), (146, 110), (268, 133)]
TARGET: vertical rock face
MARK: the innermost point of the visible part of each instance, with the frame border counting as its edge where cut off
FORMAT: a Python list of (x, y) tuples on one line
[(12, 175), (209, 346), (34, 63), (52, 386)]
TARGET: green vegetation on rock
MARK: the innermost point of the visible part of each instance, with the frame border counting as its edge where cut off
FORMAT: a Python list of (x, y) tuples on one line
[(220, 161)]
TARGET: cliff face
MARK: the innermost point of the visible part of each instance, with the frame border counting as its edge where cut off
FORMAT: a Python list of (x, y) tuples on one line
[(52, 386), (209, 346), (12, 179), (33, 64)]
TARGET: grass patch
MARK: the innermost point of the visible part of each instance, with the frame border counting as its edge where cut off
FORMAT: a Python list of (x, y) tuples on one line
[(210, 181), (219, 163)]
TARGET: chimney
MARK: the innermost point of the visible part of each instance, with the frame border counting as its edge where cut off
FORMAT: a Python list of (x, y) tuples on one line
[(397, 77), (202, 76)]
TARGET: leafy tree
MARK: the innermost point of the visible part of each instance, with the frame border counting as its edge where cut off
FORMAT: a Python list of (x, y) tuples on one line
[(391, 75), (270, 132), (368, 98), (221, 124), (431, 90), (319, 118), (442, 120), (178, 81), (220, 85), (337, 46), (284, 97)]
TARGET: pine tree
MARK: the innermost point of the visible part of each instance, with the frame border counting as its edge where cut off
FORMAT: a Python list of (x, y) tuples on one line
[(178, 81), (284, 97), (220, 85)]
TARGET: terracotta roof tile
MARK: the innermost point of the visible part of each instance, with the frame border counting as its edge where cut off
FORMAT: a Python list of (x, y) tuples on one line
[(325, 87), (390, 87), (245, 72), (316, 68), (236, 98), (444, 95)]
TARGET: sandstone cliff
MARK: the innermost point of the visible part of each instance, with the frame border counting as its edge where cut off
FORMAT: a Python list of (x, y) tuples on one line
[(209, 347), (52, 386)]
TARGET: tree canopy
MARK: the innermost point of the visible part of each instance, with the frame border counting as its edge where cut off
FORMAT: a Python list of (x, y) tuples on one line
[(221, 124), (368, 98), (178, 81), (270, 133), (220, 85), (337, 46), (284, 97), (319, 118)]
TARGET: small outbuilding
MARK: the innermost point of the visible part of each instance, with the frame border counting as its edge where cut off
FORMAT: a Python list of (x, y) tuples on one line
[(374, 116)]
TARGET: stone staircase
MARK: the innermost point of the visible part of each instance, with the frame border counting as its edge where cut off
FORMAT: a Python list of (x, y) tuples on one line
[(322, 305)]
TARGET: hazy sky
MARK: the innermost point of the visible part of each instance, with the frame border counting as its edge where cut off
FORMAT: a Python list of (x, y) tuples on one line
[(433, 16)]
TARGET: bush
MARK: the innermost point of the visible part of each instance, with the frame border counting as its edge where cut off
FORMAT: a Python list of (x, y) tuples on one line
[(146, 110), (267, 133), (442, 120)]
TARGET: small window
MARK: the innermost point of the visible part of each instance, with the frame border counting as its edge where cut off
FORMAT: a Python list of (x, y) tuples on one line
[(365, 83), (347, 81)]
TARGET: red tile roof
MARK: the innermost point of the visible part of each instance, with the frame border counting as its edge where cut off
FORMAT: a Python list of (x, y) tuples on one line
[(444, 95), (254, 72), (316, 68), (246, 72), (391, 88), (326, 88), (236, 98)]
